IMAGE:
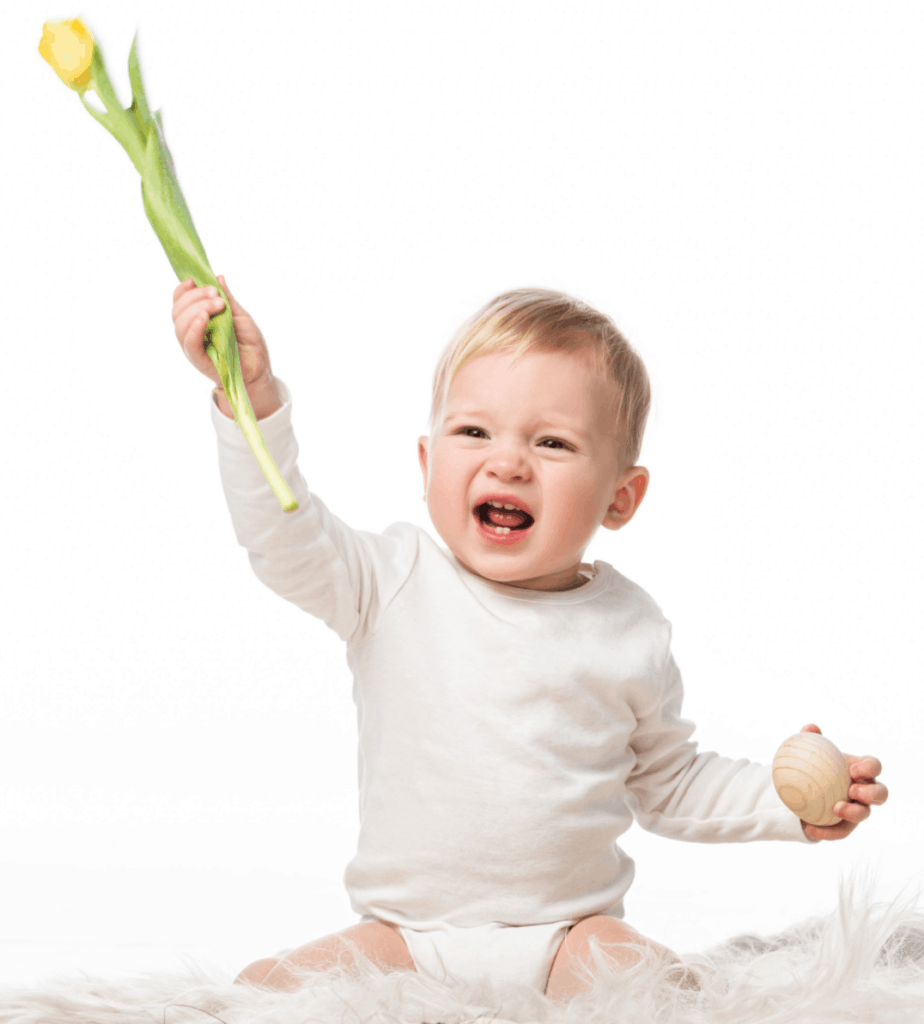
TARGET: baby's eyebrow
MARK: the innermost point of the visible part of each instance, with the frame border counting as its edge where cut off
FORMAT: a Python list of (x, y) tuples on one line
[(464, 417), (462, 414), (553, 426)]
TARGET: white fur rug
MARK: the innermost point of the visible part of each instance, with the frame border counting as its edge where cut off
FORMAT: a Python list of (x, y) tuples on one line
[(864, 963)]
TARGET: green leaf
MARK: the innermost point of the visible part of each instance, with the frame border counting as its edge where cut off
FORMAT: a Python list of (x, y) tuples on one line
[(139, 109), (172, 222), (119, 123)]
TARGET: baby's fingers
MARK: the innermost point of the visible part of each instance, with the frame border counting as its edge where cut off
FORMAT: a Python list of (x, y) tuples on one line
[(873, 793), (852, 812), (827, 833), (182, 288), (865, 768), (192, 311), (194, 296)]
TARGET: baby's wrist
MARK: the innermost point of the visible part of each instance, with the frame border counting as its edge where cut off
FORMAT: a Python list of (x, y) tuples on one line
[(263, 395)]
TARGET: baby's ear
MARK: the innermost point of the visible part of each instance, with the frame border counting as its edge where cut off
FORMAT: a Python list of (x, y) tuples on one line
[(631, 489), (422, 442)]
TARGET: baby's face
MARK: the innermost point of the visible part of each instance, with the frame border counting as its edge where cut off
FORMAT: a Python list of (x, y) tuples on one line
[(535, 434)]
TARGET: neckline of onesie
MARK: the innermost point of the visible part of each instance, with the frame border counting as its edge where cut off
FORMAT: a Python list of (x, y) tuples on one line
[(596, 584)]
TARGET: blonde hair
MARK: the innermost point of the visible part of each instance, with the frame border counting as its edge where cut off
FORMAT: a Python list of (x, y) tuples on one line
[(534, 318)]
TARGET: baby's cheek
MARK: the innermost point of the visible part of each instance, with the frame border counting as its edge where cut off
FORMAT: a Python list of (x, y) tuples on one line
[(446, 505), (573, 520)]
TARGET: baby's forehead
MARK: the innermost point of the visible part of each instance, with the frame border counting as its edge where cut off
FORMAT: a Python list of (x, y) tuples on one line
[(548, 360), (495, 369), (491, 386)]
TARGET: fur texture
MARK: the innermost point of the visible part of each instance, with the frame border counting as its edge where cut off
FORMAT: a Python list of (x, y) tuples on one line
[(863, 963)]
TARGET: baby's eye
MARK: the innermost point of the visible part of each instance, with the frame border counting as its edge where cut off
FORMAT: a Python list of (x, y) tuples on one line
[(555, 442), (466, 431)]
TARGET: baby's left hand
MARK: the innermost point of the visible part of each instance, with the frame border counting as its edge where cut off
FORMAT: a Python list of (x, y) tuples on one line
[(864, 792)]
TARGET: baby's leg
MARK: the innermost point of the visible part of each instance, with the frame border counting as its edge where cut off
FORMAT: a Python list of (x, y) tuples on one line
[(382, 943), (567, 976)]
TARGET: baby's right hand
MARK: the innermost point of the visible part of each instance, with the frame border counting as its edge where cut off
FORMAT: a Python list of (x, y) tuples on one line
[(192, 309)]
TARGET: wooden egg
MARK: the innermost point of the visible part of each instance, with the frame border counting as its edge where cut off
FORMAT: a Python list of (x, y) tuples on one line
[(811, 776)]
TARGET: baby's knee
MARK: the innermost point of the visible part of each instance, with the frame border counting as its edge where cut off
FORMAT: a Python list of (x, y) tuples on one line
[(616, 940), (606, 930), (253, 974)]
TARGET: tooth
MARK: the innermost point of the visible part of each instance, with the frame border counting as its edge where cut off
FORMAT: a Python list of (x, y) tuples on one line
[(509, 506), (496, 504), (506, 529)]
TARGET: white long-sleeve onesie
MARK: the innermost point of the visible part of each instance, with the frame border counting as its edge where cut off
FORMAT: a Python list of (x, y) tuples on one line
[(507, 737)]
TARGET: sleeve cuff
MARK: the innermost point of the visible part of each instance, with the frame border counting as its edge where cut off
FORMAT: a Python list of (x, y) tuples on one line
[(271, 427), (799, 831)]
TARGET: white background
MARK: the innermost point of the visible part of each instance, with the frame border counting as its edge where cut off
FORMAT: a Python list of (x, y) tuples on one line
[(738, 185)]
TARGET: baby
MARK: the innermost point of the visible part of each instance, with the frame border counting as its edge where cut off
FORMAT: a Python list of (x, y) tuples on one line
[(517, 707)]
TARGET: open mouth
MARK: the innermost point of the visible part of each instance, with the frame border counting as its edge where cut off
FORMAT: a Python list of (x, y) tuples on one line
[(502, 519)]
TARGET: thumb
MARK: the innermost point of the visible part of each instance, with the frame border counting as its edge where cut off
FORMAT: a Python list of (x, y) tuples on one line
[(810, 728), (227, 291)]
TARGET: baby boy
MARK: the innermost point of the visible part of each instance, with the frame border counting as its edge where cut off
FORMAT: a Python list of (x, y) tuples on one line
[(518, 708)]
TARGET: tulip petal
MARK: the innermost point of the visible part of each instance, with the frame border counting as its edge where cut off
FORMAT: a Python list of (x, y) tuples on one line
[(68, 47)]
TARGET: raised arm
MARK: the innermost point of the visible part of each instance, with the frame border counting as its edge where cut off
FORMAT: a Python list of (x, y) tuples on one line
[(343, 576)]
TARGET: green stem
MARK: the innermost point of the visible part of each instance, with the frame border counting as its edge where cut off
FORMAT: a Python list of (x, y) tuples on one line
[(246, 420)]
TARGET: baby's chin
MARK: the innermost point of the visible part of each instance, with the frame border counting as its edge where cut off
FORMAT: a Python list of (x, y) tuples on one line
[(526, 577), (493, 574)]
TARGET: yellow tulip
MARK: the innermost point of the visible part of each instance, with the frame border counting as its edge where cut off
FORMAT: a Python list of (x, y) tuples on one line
[(68, 48), (78, 61)]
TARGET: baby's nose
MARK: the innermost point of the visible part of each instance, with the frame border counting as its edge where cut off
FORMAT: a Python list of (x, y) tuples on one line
[(509, 465)]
